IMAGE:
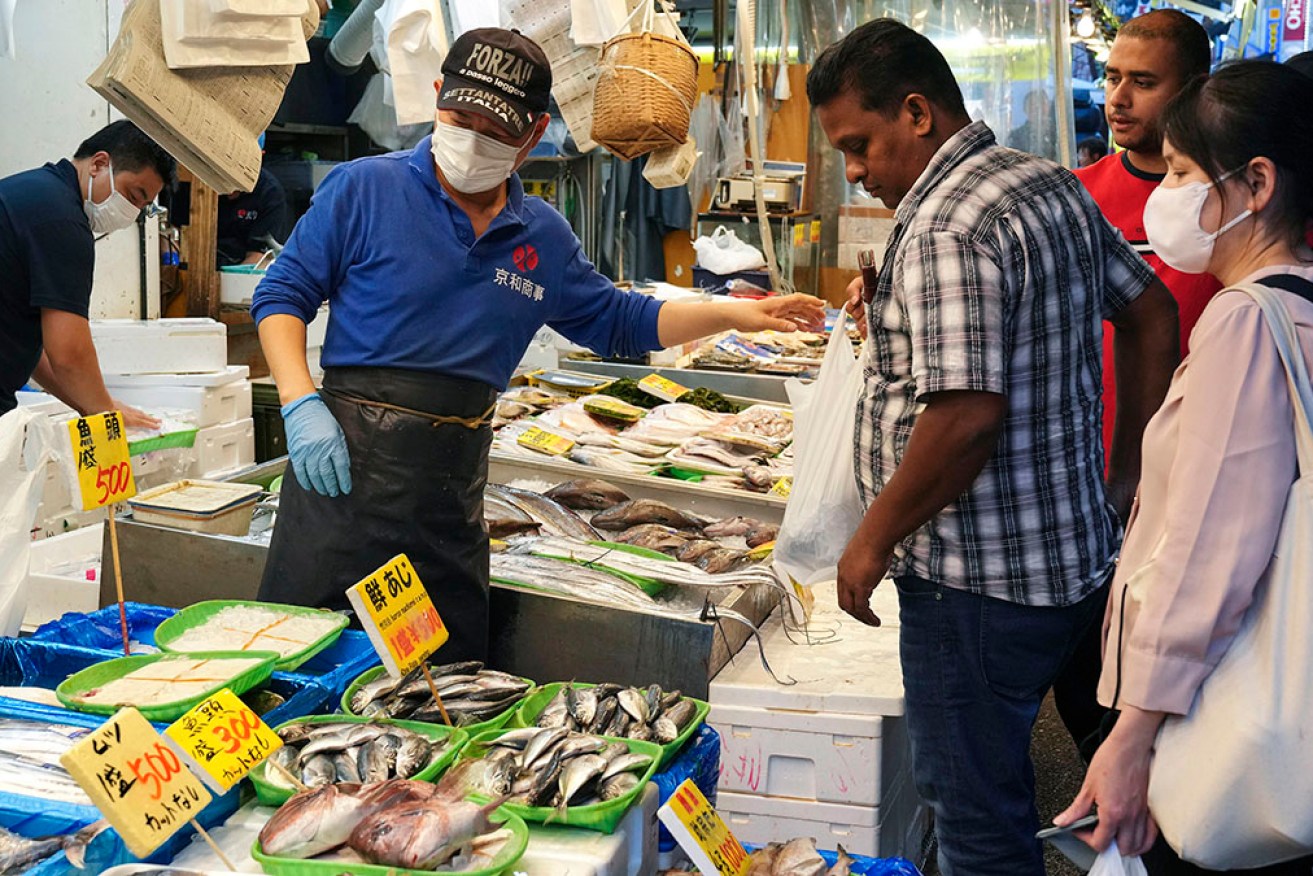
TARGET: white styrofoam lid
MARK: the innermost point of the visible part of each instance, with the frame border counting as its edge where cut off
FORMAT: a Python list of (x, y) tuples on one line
[(849, 668), (802, 810), (231, 374)]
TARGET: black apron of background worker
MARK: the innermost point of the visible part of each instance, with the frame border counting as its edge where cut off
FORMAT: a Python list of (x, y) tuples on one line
[(417, 489)]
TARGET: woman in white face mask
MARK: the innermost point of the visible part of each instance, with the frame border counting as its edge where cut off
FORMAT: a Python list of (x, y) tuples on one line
[(1219, 462)]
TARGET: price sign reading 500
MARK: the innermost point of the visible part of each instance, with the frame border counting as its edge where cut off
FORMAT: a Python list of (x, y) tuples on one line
[(100, 457)]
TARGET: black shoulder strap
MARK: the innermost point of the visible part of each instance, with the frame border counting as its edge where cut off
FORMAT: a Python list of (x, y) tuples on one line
[(1290, 283)]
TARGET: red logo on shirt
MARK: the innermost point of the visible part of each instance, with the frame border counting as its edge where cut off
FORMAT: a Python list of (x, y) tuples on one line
[(525, 257)]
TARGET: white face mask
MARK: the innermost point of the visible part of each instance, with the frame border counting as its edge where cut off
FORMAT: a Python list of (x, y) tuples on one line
[(472, 162), (113, 213), (1171, 222)]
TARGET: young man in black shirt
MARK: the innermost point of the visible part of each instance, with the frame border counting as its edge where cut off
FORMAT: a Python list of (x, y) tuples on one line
[(247, 219), (50, 219)]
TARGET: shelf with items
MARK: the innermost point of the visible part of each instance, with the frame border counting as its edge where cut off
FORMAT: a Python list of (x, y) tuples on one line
[(796, 236)]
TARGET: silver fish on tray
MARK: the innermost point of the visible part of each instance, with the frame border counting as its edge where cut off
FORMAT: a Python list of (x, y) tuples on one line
[(647, 713), (18, 853), (553, 517), (29, 760), (470, 693), (350, 752)]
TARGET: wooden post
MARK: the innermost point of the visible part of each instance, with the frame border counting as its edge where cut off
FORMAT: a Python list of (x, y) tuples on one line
[(199, 243)]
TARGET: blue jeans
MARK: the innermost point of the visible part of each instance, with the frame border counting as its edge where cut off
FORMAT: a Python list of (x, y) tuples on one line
[(975, 670)]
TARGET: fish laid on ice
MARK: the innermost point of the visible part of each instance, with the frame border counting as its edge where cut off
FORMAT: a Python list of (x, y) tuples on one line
[(587, 495), (555, 518), (653, 536), (637, 511), (19, 853), (504, 518)]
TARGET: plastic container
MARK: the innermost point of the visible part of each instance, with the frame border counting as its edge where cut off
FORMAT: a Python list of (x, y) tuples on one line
[(105, 672), (56, 580), (567, 851), (270, 794), (195, 615), (203, 406), (199, 506), (496, 723), (237, 283), (527, 714), (130, 346), (604, 817), (295, 867)]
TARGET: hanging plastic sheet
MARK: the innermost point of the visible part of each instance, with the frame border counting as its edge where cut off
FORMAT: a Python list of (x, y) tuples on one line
[(593, 22), (704, 128), (27, 442), (414, 34)]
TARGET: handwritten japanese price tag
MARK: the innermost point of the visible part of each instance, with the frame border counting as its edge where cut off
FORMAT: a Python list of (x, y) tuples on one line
[(100, 456), (398, 615), (539, 439), (782, 488), (222, 740), (662, 387), (701, 833), (136, 781)]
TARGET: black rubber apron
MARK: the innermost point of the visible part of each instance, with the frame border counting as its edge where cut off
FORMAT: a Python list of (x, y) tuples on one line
[(417, 488)]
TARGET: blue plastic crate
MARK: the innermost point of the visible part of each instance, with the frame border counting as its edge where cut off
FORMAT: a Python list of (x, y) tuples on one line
[(864, 866), (334, 668), (30, 662), (700, 761)]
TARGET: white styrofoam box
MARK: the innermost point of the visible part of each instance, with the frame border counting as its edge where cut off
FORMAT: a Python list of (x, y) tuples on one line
[(841, 665), (317, 329), (312, 355), (238, 287), (222, 377), (130, 346), (43, 403), (54, 582), (201, 405), (887, 831), (569, 851), (830, 758), (223, 448)]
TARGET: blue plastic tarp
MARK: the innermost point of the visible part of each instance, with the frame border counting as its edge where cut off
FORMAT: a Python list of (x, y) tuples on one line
[(334, 668), (864, 866), (35, 663), (700, 761)]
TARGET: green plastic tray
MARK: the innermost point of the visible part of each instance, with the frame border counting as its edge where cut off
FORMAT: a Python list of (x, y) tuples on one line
[(197, 614), (167, 441), (296, 867), (603, 817), (270, 794), (101, 674), (533, 706), (473, 729)]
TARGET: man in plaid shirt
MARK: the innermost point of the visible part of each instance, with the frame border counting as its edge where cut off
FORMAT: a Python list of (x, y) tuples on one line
[(978, 442)]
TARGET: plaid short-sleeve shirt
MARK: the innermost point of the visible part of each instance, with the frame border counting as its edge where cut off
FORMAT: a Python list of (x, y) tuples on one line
[(997, 278)]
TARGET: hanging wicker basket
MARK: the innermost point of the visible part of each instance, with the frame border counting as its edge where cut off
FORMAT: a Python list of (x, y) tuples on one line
[(646, 86)]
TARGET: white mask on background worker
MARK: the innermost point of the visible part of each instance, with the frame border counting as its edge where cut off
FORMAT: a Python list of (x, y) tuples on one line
[(470, 161), (112, 214)]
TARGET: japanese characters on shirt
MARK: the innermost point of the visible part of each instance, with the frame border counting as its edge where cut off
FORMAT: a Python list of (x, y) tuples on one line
[(136, 780), (101, 460), (398, 616), (518, 282), (701, 833), (222, 740)]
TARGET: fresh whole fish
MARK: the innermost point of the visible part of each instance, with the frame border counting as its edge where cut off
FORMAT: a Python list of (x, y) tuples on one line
[(654, 536), (720, 560), (767, 532), (555, 518), (617, 786), (421, 836), (637, 511), (348, 751), (693, 551), (636, 713), (555, 768), (798, 857), (504, 518), (626, 762), (312, 822), (843, 864), (732, 526), (575, 777), (587, 495), (19, 853), (470, 693)]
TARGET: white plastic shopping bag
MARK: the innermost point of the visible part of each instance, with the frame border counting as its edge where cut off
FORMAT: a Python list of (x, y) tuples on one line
[(724, 253), (27, 442), (824, 508), (1111, 862)]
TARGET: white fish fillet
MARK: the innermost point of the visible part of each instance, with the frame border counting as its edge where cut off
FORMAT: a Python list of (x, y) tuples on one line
[(168, 680), (252, 628)]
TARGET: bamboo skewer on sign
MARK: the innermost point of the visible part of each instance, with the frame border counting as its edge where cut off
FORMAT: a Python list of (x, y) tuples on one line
[(118, 584), (286, 774), (437, 698)]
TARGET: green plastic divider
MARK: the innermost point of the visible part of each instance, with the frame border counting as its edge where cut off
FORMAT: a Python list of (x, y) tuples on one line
[(194, 615)]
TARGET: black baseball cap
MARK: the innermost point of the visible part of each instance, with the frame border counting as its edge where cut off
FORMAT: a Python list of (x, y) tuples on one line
[(499, 74)]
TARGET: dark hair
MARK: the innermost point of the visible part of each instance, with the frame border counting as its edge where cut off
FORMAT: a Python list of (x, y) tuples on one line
[(1097, 145), (1303, 62), (1248, 110), (130, 149), (884, 61), (1187, 36)]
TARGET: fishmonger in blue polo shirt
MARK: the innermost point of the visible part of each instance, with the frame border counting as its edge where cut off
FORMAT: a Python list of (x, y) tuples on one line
[(439, 271)]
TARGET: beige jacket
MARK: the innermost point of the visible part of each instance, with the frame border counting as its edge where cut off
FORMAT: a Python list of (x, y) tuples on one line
[(1219, 459)]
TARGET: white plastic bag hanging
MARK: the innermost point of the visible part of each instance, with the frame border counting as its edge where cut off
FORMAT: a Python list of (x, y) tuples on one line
[(724, 253), (1111, 862), (26, 445), (824, 507)]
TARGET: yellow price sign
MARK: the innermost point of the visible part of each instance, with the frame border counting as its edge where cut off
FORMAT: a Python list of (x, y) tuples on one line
[(799, 235), (701, 832), (222, 740), (100, 456), (782, 488), (536, 438), (661, 387), (136, 780), (398, 615), (816, 231)]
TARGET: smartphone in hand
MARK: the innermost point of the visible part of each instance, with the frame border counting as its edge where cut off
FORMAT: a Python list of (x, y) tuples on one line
[(1065, 840)]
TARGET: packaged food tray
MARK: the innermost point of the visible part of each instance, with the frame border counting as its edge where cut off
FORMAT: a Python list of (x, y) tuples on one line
[(195, 615)]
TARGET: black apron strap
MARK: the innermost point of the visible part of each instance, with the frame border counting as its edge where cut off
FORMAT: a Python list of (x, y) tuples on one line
[(417, 489), (1289, 283)]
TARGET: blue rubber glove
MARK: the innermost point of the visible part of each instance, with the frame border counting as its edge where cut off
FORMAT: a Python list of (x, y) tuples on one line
[(317, 446)]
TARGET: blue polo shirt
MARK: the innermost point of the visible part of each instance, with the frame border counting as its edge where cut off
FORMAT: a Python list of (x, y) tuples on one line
[(409, 286), (47, 256)]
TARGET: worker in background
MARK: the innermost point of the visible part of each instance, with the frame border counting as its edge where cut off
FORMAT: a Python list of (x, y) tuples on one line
[(976, 448), (1090, 150), (1152, 59), (251, 223), (50, 220), (439, 271)]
